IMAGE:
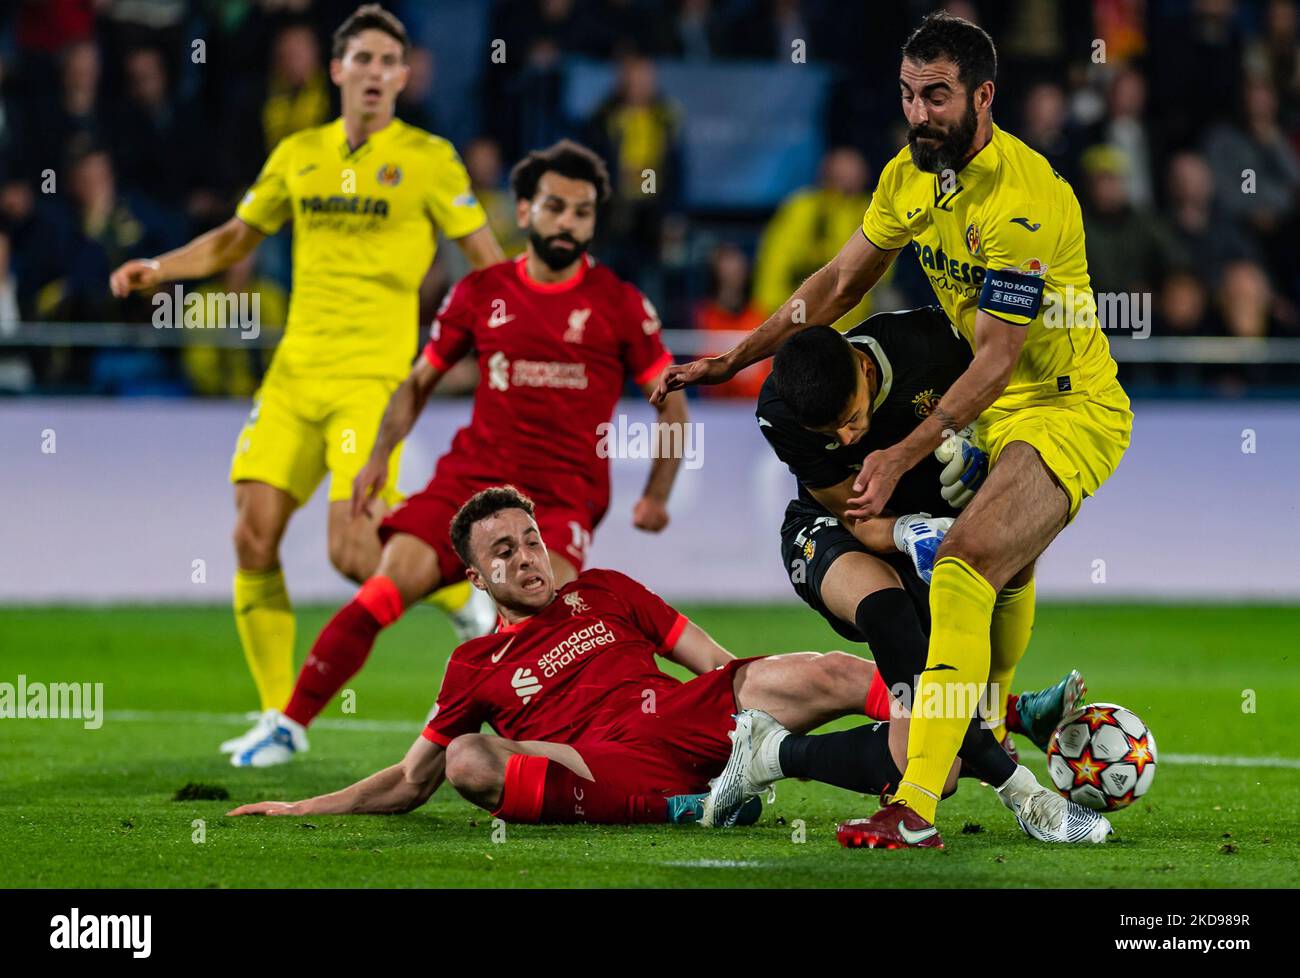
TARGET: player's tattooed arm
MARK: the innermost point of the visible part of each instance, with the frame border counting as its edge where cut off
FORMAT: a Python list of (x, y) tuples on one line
[(997, 348), (403, 409), (395, 790), (947, 422)]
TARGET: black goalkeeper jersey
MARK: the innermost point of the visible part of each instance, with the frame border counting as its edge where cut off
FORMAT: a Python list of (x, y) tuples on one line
[(917, 355)]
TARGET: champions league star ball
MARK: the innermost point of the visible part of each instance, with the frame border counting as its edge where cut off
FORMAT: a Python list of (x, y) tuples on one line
[(1102, 756)]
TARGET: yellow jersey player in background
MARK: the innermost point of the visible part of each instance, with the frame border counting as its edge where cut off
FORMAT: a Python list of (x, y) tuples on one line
[(1000, 236), (367, 195)]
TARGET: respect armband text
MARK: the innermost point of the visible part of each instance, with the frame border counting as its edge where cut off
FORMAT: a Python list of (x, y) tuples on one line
[(1012, 293)]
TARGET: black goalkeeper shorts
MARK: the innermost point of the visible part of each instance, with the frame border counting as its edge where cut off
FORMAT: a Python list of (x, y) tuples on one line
[(812, 540)]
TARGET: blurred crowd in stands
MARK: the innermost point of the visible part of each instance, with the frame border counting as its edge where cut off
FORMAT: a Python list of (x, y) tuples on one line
[(128, 126)]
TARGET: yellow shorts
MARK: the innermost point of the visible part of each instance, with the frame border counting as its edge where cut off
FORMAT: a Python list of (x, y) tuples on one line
[(301, 428), (1081, 442)]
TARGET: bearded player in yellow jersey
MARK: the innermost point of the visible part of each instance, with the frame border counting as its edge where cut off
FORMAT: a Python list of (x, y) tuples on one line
[(367, 195), (1000, 236)]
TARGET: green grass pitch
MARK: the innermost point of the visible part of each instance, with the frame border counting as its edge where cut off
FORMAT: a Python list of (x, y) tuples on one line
[(94, 807)]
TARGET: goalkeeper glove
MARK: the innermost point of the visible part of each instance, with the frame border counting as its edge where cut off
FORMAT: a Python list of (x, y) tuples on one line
[(964, 471), (919, 536)]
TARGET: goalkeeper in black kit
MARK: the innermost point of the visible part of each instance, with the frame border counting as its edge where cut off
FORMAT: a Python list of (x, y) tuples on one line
[(832, 399)]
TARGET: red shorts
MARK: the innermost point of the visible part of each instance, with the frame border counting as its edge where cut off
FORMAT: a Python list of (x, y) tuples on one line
[(674, 750), (566, 528)]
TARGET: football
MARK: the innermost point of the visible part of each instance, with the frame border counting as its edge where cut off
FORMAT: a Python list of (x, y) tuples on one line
[(1102, 756)]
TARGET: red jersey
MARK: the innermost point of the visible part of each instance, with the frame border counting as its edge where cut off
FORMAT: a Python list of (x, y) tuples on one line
[(579, 664), (553, 359)]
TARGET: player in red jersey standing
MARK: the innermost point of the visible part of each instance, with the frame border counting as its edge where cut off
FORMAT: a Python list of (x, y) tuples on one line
[(557, 336)]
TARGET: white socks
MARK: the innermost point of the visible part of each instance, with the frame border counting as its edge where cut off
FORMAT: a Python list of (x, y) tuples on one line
[(767, 759), (1018, 788)]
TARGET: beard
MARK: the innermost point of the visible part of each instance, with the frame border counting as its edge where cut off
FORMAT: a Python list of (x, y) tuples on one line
[(557, 258), (952, 147)]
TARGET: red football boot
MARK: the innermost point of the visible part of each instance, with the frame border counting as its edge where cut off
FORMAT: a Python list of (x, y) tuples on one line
[(895, 826)]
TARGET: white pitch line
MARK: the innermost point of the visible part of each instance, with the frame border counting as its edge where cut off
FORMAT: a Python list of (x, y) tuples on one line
[(243, 719), (397, 726), (1213, 760), (716, 863)]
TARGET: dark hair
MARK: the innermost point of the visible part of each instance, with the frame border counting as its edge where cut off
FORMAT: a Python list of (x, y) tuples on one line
[(367, 17), (568, 159), (481, 505), (816, 375), (944, 35)]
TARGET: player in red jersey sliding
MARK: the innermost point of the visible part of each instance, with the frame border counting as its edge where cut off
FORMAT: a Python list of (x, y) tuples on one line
[(588, 728), (556, 336)]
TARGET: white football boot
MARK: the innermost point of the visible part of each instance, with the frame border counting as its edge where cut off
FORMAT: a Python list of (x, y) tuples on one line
[(278, 745), (1047, 816), (265, 721), (477, 617), (754, 764)]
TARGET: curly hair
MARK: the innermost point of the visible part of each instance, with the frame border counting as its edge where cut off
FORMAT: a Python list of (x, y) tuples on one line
[(481, 505)]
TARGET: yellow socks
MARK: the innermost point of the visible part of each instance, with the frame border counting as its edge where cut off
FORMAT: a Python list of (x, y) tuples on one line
[(266, 625), (451, 598), (1013, 621), (948, 692)]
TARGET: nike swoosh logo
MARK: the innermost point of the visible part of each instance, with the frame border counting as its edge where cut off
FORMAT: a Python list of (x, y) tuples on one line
[(939, 668), (497, 657), (306, 169), (764, 423), (912, 837), (913, 213), (1024, 223)]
